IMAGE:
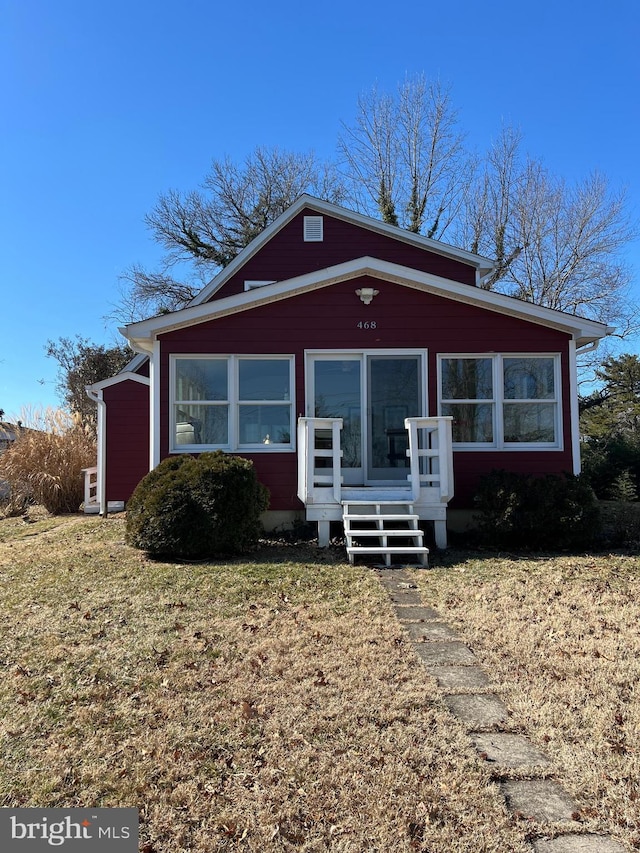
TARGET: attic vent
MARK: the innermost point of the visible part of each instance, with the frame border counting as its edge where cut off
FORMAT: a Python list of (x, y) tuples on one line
[(313, 229), (251, 285)]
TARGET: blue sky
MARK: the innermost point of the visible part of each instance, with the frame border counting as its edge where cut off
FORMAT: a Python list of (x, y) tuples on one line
[(104, 105)]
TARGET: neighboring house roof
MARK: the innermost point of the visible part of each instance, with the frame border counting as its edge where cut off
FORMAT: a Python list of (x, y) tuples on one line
[(484, 266), (583, 331)]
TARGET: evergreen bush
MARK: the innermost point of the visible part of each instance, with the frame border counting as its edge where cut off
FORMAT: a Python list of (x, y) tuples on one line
[(197, 507), (524, 511)]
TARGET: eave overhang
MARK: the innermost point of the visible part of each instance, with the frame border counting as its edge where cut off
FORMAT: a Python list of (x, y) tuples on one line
[(583, 331)]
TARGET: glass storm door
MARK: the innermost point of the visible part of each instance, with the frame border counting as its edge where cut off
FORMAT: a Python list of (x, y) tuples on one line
[(394, 394), (337, 393), (373, 394)]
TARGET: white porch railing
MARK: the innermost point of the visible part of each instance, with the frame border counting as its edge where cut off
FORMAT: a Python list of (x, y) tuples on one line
[(319, 459), (429, 478), (430, 459), (91, 502)]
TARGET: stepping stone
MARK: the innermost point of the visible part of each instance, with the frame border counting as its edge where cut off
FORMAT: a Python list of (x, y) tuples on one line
[(477, 710), (405, 596), (508, 750), (457, 678), (539, 799), (578, 844), (451, 652), (415, 613), (423, 631)]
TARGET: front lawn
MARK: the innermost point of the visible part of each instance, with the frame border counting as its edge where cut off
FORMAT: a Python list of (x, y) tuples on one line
[(275, 704)]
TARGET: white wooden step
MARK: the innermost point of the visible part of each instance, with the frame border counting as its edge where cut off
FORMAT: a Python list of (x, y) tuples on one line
[(383, 549), (389, 552), (407, 534), (382, 517)]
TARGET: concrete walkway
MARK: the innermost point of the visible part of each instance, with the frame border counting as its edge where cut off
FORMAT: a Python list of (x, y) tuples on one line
[(467, 693)]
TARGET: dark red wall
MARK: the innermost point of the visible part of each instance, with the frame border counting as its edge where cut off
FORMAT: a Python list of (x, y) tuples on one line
[(127, 437), (287, 255), (405, 318)]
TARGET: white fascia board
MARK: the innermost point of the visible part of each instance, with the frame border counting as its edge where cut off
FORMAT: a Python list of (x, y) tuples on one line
[(143, 334), (483, 266), (119, 377)]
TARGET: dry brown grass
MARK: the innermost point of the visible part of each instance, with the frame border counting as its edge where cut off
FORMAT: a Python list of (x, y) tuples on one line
[(276, 705), (271, 705), (560, 637)]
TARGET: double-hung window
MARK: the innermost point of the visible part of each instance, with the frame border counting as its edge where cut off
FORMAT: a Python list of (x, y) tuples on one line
[(231, 402), (502, 401)]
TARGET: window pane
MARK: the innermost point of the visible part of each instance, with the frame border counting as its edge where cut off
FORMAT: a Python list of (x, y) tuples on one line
[(530, 422), (472, 422), (467, 379), (202, 425), (201, 379), (264, 380), (265, 424), (529, 379)]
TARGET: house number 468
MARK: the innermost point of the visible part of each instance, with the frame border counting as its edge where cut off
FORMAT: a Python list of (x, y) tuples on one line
[(367, 324)]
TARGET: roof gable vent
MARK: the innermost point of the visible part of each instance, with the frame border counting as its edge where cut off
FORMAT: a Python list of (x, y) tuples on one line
[(313, 229)]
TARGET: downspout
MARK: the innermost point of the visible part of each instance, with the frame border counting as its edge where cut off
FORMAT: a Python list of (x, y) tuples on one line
[(97, 397), (574, 352)]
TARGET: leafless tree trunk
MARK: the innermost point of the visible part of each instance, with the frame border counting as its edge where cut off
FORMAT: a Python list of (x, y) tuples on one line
[(404, 158)]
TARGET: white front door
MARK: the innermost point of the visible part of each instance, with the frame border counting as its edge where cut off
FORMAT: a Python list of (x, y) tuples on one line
[(373, 393)]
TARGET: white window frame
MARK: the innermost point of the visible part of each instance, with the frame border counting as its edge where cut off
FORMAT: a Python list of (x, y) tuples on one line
[(233, 402), (499, 400)]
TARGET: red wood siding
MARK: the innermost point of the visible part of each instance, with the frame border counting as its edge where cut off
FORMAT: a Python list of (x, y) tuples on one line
[(127, 437), (405, 318), (287, 255)]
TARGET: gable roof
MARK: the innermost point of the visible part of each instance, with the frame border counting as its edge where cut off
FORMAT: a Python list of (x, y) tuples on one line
[(483, 266), (583, 331)]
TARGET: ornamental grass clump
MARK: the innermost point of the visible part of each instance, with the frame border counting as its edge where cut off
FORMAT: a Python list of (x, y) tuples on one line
[(197, 507), (44, 464)]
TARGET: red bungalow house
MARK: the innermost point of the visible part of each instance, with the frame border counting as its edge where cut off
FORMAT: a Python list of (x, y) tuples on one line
[(363, 369)]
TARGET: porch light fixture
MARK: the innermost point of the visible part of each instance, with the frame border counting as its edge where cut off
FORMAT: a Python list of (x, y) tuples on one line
[(366, 294)]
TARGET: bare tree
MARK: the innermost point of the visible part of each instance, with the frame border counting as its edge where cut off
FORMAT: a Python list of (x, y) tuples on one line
[(555, 244), (203, 230), (404, 160), (404, 157)]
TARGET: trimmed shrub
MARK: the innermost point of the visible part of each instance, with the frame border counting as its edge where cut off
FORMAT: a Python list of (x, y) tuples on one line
[(44, 464), (197, 507), (523, 511)]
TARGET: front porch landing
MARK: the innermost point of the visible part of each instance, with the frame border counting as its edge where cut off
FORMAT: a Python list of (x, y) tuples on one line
[(427, 490)]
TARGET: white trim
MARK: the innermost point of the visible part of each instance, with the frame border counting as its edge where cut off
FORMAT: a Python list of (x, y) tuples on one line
[(126, 375), (362, 356), (574, 408), (251, 284), (483, 266), (233, 404), (154, 407), (143, 333), (497, 402)]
